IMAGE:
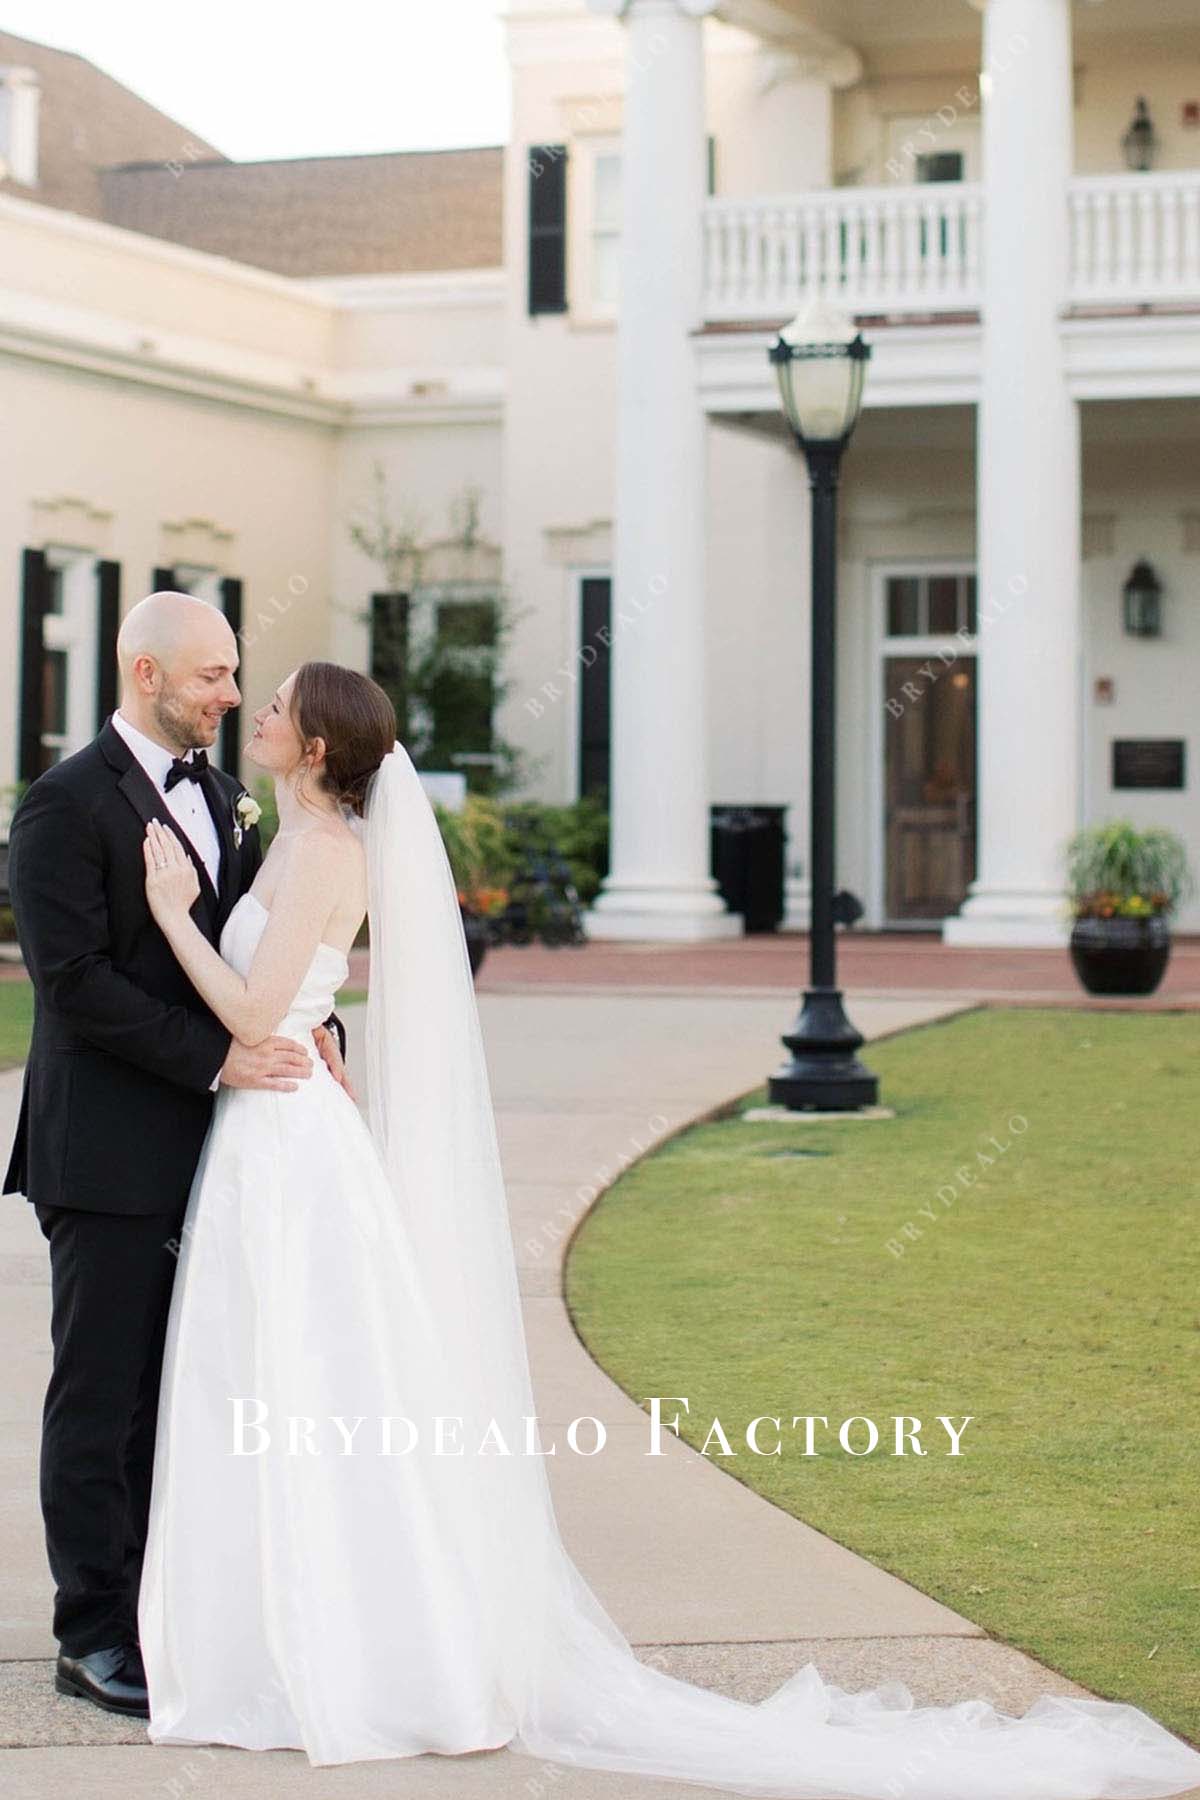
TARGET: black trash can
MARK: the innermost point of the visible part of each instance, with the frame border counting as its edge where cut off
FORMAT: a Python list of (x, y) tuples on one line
[(747, 854)]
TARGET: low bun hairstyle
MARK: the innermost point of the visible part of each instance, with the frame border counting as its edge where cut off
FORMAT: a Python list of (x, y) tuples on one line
[(356, 720)]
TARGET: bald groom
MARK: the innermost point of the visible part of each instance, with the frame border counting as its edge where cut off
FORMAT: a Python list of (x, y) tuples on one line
[(118, 1093)]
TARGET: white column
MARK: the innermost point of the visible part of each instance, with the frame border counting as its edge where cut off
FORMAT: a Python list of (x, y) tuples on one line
[(1028, 489), (659, 886)]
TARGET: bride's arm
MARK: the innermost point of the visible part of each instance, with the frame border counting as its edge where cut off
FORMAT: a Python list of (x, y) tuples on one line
[(301, 908)]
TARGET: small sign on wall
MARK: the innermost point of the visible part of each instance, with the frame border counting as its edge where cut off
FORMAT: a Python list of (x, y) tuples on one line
[(1148, 763)]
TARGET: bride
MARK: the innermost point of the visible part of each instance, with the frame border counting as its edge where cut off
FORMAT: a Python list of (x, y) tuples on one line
[(319, 1587)]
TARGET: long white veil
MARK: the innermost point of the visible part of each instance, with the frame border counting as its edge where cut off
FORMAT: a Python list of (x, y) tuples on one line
[(568, 1687)]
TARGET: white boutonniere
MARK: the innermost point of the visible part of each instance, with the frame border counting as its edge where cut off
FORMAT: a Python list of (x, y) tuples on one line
[(246, 813)]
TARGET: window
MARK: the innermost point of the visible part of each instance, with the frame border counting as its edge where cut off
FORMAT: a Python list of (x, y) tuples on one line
[(943, 165), (595, 204), (19, 125), (70, 607), (606, 228), (54, 704), (192, 578), (54, 588), (929, 605), (923, 149), (596, 198), (461, 695), (68, 678)]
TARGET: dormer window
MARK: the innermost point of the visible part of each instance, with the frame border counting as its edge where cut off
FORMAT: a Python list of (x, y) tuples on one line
[(19, 94)]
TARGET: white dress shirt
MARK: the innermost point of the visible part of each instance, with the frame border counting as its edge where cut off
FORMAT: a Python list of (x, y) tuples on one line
[(185, 802)]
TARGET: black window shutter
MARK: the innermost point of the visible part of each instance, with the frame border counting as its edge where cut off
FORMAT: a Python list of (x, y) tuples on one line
[(231, 731), (33, 611), (108, 619), (162, 580), (595, 692), (547, 164), (389, 653)]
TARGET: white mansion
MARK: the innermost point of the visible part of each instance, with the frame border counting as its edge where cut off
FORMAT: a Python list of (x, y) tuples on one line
[(203, 363)]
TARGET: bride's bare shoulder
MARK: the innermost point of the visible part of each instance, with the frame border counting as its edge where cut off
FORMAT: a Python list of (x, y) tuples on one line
[(328, 852)]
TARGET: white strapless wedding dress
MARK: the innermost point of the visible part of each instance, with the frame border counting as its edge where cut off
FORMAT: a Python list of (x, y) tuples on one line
[(321, 1595)]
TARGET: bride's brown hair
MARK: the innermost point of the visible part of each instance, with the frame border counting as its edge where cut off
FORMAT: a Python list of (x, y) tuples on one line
[(356, 720)]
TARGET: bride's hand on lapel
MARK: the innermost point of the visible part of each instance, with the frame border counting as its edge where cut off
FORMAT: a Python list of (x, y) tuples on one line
[(172, 884)]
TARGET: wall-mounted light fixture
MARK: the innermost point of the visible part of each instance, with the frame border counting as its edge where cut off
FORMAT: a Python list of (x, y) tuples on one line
[(1141, 599), (1140, 142)]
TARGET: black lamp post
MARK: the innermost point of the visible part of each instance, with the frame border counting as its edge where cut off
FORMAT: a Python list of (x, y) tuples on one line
[(821, 363)]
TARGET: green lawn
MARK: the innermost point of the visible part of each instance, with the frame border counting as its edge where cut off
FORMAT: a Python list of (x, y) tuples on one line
[(1052, 1292), (16, 1022)]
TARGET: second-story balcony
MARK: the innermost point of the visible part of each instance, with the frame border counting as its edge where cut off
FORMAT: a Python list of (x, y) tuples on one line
[(1133, 240)]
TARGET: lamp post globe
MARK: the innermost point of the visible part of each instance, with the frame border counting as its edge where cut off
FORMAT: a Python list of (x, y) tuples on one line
[(820, 361)]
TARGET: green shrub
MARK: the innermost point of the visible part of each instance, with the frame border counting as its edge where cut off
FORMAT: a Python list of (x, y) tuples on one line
[(578, 832)]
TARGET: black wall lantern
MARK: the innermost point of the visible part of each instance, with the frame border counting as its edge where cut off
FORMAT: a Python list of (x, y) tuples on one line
[(1142, 602), (1140, 142)]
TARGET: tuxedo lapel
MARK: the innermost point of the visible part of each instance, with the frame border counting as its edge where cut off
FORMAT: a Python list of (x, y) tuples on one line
[(220, 805), (148, 803)]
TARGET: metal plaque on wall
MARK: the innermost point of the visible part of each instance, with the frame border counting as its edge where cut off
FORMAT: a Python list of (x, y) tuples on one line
[(1147, 763)]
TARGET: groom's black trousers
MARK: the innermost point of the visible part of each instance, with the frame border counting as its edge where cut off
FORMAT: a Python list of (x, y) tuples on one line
[(111, 1277)]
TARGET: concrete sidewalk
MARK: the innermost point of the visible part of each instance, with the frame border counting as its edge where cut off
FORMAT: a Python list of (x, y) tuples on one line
[(714, 1583)]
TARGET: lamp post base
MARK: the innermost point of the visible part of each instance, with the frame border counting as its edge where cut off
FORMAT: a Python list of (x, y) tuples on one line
[(824, 1072)]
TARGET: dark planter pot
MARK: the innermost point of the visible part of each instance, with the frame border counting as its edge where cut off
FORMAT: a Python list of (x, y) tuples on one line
[(478, 935), (1120, 956)]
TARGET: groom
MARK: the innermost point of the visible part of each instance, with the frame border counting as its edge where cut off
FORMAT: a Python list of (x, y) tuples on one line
[(123, 1065)]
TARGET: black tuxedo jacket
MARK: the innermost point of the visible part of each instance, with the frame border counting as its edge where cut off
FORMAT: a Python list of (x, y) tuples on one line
[(117, 1096)]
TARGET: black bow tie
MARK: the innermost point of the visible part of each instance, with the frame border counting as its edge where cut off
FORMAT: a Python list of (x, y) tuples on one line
[(185, 771)]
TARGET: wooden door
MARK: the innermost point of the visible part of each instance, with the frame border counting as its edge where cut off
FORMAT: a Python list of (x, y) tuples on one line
[(929, 785)]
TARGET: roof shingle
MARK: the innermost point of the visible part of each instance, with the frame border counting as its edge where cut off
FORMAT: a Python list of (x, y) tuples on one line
[(105, 152), (395, 212), (87, 120)]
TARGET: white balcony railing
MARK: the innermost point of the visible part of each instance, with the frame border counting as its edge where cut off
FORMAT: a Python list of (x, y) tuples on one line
[(865, 249), (1133, 239)]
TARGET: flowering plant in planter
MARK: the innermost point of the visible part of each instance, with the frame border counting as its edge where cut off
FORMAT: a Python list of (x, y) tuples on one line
[(1124, 885), (1117, 871), (1105, 905), (484, 902), (482, 864)]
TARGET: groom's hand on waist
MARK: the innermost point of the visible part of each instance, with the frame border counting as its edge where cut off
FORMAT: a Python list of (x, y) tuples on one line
[(331, 1055), (278, 1062)]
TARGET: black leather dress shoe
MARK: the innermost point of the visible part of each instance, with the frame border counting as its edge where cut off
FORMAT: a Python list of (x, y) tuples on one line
[(113, 1679)]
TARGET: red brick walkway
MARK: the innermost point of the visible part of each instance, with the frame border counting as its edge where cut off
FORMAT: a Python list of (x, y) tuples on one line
[(868, 963)]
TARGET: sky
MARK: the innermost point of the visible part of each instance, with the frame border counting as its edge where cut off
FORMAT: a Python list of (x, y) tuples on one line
[(259, 78)]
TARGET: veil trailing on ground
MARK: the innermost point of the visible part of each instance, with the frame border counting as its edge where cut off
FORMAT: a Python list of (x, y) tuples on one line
[(562, 1682)]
